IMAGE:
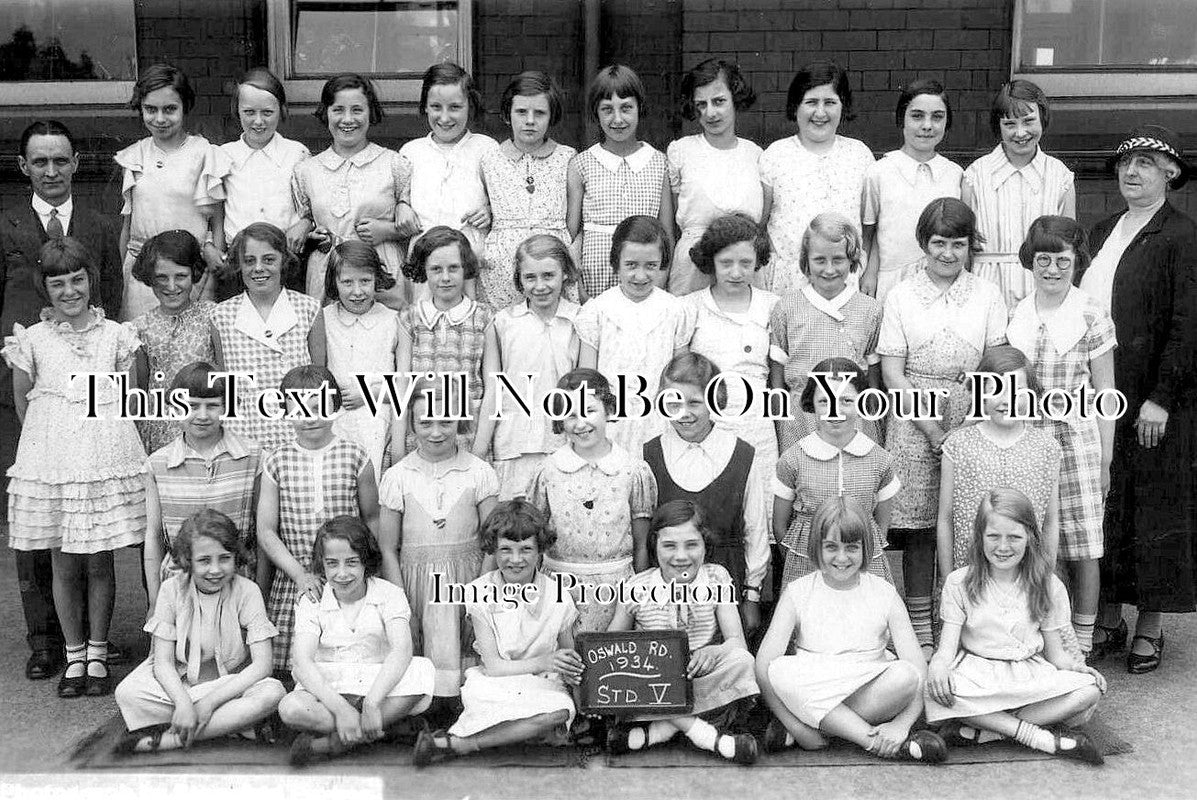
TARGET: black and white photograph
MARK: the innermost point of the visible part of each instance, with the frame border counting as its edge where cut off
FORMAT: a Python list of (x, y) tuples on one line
[(598, 398)]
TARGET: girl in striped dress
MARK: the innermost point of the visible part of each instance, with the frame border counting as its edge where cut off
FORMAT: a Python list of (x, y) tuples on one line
[(616, 178), (305, 483), (264, 330), (1070, 341), (446, 331), (1015, 184), (835, 460), (433, 503)]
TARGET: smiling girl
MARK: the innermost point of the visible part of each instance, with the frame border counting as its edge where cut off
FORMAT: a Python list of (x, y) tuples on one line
[(842, 679), (209, 672), (172, 179), (1001, 670), (937, 323), (898, 186), (616, 178), (713, 173), (446, 165), (1015, 184), (351, 190)]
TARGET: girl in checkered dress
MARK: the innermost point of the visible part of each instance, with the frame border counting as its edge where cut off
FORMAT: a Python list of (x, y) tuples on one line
[(998, 451), (305, 483), (446, 331), (615, 178), (1069, 339), (834, 460), (264, 330)]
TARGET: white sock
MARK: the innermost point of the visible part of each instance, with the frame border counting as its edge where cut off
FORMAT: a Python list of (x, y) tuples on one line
[(703, 734), (75, 658), (97, 651), (660, 731), (727, 746), (637, 738), (1083, 624), (790, 740), (1036, 738)]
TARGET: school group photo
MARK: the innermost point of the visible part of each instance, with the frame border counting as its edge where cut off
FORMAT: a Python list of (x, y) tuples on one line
[(404, 433)]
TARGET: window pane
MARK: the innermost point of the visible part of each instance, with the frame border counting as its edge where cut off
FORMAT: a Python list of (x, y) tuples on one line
[(373, 38), (1138, 34), (62, 40)]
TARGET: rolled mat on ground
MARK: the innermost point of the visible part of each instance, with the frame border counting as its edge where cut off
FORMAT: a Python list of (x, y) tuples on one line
[(97, 750)]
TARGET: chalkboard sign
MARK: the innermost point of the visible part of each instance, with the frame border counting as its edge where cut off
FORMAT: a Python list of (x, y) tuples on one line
[(635, 672)]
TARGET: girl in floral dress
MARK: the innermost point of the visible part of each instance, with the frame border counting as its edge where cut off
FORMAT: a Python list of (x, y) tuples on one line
[(937, 323), (814, 171), (75, 488), (526, 181), (179, 331), (599, 499)]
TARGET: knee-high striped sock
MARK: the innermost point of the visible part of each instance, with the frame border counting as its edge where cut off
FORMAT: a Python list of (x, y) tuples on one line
[(920, 618), (1083, 625), (1034, 737)]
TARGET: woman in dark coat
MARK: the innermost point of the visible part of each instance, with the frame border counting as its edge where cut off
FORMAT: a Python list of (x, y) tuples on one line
[(1144, 271)]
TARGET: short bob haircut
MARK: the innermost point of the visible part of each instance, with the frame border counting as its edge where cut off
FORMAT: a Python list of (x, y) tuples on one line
[(265, 80), (431, 395), (819, 73), (530, 84), (47, 127), (1003, 358), (914, 89), (1051, 234), (357, 254), (615, 80), (447, 73), (340, 83), (640, 229), (725, 231), (209, 524), (352, 531), (836, 366), (841, 513), (951, 219), (694, 369), (575, 379), (673, 514), (195, 378), (178, 246), (312, 377), (706, 73), (517, 521), (63, 256), (163, 76), (268, 235), (833, 227), (432, 240), (1016, 99), (545, 245)]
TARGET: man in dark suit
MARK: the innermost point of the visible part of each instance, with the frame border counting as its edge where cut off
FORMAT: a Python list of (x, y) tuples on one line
[(48, 157)]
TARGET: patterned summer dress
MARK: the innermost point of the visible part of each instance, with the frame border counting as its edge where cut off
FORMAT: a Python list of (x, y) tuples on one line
[(812, 472), (941, 334), (527, 197), (614, 189), (267, 348), (172, 341), (1060, 348), (313, 487), (1031, 464)]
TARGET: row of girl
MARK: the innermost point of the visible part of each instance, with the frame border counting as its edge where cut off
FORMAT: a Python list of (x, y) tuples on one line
[(596, 495), (499, 195)]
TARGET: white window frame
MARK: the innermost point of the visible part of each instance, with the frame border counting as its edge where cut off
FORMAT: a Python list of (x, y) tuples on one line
[(1097, 83), (306, 91)]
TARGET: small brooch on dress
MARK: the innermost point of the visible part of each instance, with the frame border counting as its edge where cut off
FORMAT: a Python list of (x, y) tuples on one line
[(589, 504), (439, 523)]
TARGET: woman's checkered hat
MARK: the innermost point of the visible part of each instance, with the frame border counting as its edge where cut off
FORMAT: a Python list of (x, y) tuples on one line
[(1158, 139)]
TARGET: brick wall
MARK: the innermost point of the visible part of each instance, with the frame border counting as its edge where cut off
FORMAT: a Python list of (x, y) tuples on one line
[(644, 34)]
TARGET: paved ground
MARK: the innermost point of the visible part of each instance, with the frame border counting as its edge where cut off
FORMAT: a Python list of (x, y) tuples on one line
[(1157, 713)]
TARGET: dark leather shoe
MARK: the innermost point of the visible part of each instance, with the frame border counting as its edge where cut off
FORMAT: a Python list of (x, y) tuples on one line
[(43, 664), (1137, 664), (97, 685), (73, 686), (1115, 642)]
